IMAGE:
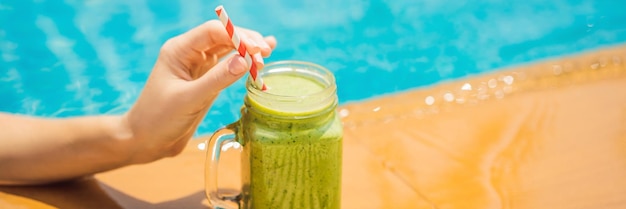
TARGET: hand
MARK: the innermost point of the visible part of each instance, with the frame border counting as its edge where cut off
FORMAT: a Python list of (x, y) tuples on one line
[(186, 79)]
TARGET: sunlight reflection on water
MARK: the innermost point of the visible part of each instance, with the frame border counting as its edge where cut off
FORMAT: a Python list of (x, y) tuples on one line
[(91, 57)]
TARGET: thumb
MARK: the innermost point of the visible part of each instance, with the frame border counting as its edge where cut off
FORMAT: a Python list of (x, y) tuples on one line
[(222, 75)]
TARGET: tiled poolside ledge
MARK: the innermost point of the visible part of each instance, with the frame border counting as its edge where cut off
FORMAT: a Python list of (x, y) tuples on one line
[(546, 135)]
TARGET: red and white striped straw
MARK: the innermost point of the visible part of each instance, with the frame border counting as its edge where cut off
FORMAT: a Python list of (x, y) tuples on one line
[(241, 48)]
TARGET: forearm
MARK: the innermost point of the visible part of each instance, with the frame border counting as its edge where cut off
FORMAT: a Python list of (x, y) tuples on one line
[(38, 150)]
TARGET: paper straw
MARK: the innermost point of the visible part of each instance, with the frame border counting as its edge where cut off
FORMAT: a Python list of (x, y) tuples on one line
[(241, 48)]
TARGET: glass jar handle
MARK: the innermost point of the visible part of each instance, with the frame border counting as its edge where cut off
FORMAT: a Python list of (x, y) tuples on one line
[(215, 143)]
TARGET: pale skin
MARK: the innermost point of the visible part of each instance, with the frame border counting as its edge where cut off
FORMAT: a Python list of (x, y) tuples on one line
[(188, 75)]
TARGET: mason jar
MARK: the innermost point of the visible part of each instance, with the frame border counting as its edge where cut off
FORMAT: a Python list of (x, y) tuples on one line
[(291, 139)]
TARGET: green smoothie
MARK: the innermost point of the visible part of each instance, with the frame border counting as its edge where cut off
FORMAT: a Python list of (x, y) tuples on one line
[(291, 159)]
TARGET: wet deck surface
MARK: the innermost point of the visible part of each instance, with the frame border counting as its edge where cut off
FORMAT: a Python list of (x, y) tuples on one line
[(548, 135)]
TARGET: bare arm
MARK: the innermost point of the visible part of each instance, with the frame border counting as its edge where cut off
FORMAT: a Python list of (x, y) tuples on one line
[(37, 150), (185, 80)]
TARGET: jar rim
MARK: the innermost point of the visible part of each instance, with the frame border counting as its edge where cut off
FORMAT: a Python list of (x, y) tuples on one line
[(306, 104), (279, 65)]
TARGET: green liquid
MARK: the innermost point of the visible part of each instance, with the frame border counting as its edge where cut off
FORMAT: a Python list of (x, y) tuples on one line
[(291, 163), (292, 85)]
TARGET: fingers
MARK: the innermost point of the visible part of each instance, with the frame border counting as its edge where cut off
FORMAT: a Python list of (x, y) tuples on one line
[(271, 40), (211, 33), (252, 46), (260, 50), (204, 36), (258, 60), (256, 42), (221, 75), (236, 68)]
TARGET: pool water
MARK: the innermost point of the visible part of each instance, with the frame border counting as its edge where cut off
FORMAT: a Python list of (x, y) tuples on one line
[(69, 58)]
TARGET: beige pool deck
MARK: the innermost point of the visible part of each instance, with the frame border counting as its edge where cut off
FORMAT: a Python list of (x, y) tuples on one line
[(546, 135)]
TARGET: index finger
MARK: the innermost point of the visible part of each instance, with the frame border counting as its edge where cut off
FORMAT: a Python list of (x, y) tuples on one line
[(211, 34)]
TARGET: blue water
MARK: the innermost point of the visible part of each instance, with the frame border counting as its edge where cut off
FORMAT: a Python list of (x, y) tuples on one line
[(69, 58)]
